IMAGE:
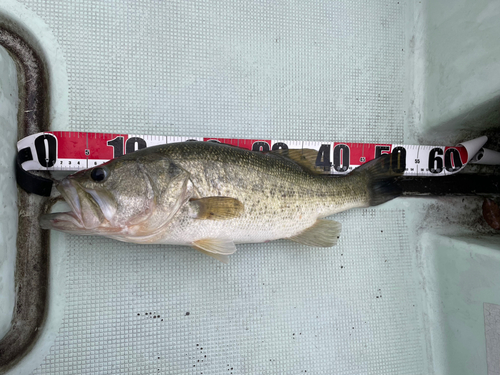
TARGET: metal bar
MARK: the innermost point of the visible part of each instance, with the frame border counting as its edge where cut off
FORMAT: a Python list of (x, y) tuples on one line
[(32, 264)]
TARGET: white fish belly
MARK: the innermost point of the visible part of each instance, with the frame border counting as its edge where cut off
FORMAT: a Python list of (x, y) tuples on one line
[(248, 229)]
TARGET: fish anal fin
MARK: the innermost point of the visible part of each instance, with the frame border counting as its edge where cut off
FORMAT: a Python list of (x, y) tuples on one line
[(216, 248), (305, 157), (324, 233), (216, 208)]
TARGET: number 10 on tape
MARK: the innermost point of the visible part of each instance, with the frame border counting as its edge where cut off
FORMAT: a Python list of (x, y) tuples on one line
[(73, 151)]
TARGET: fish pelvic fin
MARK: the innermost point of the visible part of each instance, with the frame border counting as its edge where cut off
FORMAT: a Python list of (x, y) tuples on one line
[(323, 233), (379, 176), (216, 248)]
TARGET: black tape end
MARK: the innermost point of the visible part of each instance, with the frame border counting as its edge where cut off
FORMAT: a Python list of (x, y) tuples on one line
[(29, 182)]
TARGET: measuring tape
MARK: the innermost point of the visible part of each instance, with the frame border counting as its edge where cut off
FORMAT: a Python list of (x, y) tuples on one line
[(73, 151)]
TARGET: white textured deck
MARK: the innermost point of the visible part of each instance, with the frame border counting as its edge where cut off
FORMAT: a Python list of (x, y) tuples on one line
[(315, 70)]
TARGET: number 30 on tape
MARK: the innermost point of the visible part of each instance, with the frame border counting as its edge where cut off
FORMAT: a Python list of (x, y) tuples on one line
[(73, 151)]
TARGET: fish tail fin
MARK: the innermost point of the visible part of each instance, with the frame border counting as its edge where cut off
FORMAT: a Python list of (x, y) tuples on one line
[(379, 176)]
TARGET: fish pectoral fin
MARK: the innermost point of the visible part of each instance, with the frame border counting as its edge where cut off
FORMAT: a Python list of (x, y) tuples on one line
[(304, 157), (324, 233), (215, 208), (216, 248)]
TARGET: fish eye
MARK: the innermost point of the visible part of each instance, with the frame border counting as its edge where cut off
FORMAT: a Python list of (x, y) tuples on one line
[(99, 174)]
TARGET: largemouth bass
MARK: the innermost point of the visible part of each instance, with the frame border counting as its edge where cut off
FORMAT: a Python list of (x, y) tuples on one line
[(212, 196)]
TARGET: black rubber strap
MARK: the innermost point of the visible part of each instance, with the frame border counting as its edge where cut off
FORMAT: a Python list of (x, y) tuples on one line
[(27, 181), (25, 154)]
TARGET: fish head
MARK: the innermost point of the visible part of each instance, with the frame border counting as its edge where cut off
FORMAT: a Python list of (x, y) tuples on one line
[(111, 198)]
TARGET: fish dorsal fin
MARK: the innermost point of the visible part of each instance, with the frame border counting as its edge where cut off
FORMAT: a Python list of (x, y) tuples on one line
[(215, 208), (304, 157), (216, 248), (324, 233)]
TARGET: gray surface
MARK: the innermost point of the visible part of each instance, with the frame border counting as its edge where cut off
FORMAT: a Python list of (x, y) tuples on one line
[(456, 87), (461, 275), (492, 333)]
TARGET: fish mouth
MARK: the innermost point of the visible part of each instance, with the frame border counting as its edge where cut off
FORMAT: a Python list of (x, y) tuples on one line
[(70, 195), (78, 219)]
